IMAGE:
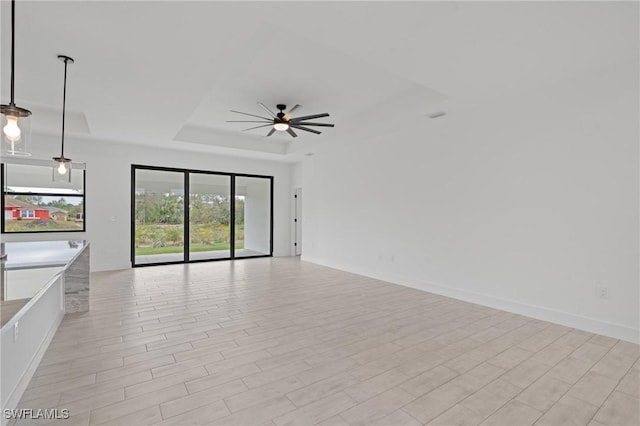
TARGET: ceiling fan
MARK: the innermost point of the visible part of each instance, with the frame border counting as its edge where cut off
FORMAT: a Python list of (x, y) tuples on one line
[(283, 122)]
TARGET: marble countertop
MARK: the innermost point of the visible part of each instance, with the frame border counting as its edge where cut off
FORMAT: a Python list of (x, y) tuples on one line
[(30, 266), (38, 254)]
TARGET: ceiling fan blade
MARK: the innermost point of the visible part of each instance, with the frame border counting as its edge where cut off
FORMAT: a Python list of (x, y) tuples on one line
[(315, 124), (296, 126), (271, 131), (310, 117), (252, 115), (257, 127), (267, 108), (291, 132), (249, 121), (288, 114)]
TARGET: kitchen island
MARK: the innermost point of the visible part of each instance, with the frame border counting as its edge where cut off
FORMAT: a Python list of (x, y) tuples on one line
[(41, 281)]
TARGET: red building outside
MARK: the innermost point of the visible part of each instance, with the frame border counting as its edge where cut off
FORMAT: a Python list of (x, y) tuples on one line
[(17, 209)]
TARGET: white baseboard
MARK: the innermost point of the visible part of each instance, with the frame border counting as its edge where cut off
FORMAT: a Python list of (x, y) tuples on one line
[(102, 267), (591, 325)]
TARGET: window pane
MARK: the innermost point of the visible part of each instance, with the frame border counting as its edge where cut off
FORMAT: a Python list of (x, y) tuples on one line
[(34, 203), (159, 216), (209, 215), (253, 216)]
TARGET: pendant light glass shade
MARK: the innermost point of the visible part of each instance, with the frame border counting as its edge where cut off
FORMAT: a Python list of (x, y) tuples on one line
[(16, 126), (61, 165), (62, 169), (16, 131)]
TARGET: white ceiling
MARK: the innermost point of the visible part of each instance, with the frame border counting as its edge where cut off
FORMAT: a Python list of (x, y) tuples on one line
[(166, 73)]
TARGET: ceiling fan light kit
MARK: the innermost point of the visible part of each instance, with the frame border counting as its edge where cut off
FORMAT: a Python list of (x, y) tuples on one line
[(283, 122), (281, 126)]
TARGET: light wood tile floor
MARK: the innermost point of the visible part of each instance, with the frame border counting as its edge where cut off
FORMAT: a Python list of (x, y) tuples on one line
[(277, 341)]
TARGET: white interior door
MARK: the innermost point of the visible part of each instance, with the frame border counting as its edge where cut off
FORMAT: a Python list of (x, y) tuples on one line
[(298, 221)]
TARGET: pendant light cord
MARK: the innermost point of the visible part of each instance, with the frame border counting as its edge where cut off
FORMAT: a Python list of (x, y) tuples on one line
[(64, 103), (13, 47)]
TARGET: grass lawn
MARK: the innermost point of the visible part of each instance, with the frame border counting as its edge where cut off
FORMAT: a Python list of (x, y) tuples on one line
[(142, 251), (31, 226)]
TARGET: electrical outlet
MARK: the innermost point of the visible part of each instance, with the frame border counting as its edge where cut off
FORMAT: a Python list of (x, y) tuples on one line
[(15, 332), (603, 292)]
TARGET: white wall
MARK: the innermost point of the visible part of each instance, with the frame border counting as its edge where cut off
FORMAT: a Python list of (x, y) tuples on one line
[(527, 203), (108, 192)]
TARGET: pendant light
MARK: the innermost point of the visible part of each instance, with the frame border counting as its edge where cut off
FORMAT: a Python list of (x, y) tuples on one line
[(62, 165), (15, 120)]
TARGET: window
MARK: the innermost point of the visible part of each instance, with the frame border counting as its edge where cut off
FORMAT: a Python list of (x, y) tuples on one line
[(32, 202), (27, 214), (181, 215)]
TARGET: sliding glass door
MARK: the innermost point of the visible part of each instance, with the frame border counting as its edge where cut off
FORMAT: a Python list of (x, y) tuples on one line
[(209, 216), (158, 216), (253, 216), (163, 219)]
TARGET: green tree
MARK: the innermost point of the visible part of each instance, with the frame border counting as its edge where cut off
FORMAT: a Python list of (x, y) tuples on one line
[(170, 209), (31, 199), (61, 204), (239, 211)]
